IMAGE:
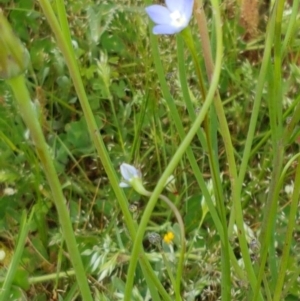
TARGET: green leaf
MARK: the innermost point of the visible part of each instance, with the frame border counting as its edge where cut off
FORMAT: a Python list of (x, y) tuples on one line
[(193, 213), (22, 279), (77, 136), (112, 43)]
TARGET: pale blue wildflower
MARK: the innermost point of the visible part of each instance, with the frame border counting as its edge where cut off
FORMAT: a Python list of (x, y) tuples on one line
[(170, 19), (132, 178), (129, 173)]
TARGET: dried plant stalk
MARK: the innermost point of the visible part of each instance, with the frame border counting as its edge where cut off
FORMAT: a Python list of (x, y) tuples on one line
[(249, 18)]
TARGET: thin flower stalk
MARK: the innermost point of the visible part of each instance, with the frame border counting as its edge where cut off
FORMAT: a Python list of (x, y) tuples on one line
[(276, 124), (289, 236), (68, 53), (190, 155), (170, 168), (14, 52), (30, 118), (177, 120), (186, 33), (236, 213), (132, 178)]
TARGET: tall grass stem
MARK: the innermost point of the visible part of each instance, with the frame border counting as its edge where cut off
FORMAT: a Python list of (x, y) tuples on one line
[(71, 61), (267, 238), (25, 224), (29, 116), (169, 169), (289, 233)]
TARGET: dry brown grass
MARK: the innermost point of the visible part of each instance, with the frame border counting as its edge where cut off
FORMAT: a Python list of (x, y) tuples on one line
[(249, 18)]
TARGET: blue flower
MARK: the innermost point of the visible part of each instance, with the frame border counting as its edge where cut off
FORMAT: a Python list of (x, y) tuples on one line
[(129, 174), (171, 19), (132, 178)]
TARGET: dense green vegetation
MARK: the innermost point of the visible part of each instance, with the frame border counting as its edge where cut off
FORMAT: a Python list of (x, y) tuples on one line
[(144, 94)]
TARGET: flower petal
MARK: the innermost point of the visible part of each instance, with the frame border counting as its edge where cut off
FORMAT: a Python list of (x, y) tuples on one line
[(128, 171), (173, 5), (158, 14), (165, 29), (188, 9), (124, 185)]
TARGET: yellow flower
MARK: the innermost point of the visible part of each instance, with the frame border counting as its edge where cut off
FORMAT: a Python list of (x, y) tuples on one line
[(168, 238)]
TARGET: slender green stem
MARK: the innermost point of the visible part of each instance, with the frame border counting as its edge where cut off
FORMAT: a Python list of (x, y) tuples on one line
[(138, 186), (267, 289), (277, 100), (288, 135), (195, 167), (147, 269), (293, 278), (269, 214), (90, 120), (291, 27), (30, 118), (15, 262), (236, 213), (190, 155), (168, 268), (255, 110), (187, 35), (286, 167), (274, 122), (185, 89), (177, 121), (63, 21), (202, 24), (151, 285), (71, 62), (205, 40), (275, 112), (117, 124), (171, 166), (215, 171), (183, 244), (291, 226), (49, 277)]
